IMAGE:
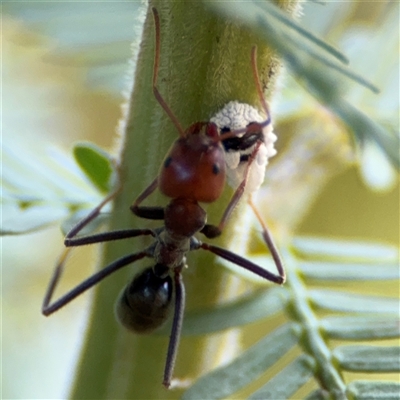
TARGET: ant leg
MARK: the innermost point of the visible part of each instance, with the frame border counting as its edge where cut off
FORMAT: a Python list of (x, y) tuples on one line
[(176, 328), (147, 212), (93, 214), (212, 231), (269, 241), (243, 262), (70, 241), (107, 236), (48, 308)]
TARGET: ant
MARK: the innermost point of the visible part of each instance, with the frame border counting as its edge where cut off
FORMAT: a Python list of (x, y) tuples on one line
[(193, 171)]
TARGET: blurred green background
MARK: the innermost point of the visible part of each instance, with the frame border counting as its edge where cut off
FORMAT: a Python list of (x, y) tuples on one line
[(62, 74)]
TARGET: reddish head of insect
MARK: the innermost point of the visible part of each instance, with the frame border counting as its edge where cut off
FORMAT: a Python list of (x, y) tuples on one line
[(194, 167)]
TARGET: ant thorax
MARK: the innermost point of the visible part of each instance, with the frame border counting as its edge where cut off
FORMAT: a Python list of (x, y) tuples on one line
[(169, 251), (234, 116)]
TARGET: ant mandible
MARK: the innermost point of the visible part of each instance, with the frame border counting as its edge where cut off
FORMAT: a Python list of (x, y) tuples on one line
[(193, 171)]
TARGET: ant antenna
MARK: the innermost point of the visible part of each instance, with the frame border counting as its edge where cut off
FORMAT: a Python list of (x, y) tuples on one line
[(156, 93), (263, 124), (258, 85)]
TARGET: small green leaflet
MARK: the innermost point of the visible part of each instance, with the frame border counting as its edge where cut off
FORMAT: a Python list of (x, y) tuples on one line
[(361, 327), (40, 191), (288, 381), (96, 164), (370, 390), (224, 381), (368, 358)]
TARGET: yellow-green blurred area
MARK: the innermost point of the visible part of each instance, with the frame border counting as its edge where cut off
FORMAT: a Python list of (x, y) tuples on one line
[(45, 103), (48, 100)]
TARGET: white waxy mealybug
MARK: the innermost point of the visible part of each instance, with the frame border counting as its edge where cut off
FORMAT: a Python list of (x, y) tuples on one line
[(234, 116)]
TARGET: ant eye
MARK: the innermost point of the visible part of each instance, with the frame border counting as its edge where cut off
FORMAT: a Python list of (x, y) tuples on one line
[(216, 169), (167, 162)]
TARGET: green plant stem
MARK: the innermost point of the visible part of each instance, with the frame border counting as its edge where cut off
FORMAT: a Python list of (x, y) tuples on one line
[(205, 62)]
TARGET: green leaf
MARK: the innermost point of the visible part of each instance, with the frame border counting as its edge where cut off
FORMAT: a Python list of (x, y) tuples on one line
[(360, 327), (226, 380), (266, 19), (279, 15), (335, 249), (370, 390), (105, 34), (288, 381), (348, 302), (274, 15), (368, 358), (366, 129), (317, 395), (96, 164), (18, 221), (76, 191), (28, 174), (348, 272), (305, 62), (241, 312), (20, 200), (39, 191)]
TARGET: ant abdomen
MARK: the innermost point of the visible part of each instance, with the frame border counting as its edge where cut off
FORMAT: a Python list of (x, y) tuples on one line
[(144, 303)]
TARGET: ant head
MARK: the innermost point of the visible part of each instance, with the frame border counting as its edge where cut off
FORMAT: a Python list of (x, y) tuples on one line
[(144, 303), (194, 167)]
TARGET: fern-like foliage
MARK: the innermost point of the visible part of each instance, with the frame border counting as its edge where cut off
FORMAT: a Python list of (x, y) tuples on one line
[(38, 193), (318, 65), (324, 299), (350, 317)]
